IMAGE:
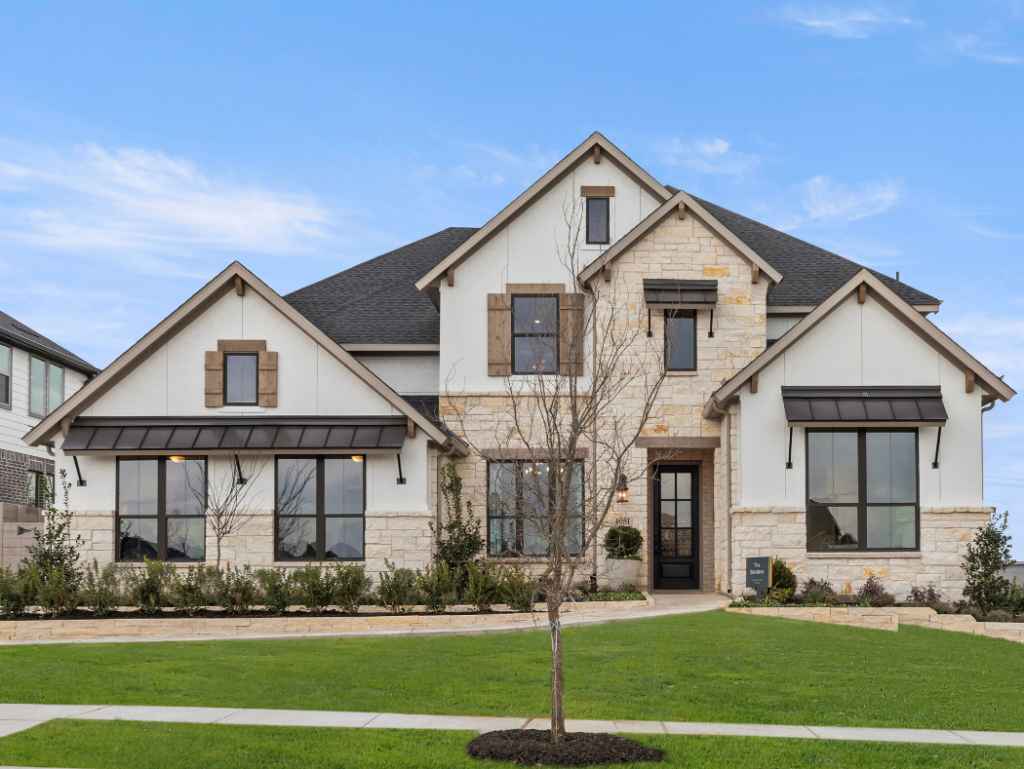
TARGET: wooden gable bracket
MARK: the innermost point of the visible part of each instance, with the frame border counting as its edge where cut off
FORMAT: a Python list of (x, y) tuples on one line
[(412, 428), (597, 153), (607, 272), (682, 211), (65, 425), (450, 274), (755, 273), (239, 285), (862, 293), (969, 382), (753, 384)]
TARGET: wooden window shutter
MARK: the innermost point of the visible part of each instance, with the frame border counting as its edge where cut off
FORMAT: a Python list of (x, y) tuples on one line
[(499, 334), (267, 379), (571, 337), (214, 379)]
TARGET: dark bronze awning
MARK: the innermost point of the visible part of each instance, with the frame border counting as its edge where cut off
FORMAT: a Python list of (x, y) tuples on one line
[(230, 435), (681, 293), (819, 406)]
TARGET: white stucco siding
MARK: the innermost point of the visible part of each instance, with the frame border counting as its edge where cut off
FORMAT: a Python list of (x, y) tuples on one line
[(859, 344), (405, 374), (525, 251)]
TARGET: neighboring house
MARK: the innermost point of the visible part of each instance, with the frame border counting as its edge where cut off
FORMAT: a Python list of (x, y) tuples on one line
[(36, 376), (811, 411)]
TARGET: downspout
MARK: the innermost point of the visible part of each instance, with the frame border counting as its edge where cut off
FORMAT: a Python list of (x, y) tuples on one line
[(727, 482)]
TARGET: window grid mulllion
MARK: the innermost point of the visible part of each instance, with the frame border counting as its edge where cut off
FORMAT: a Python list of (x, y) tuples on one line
[(554, 336), (862, 504)]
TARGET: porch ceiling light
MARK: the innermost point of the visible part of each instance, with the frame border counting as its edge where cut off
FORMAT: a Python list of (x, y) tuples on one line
[(622, 489)]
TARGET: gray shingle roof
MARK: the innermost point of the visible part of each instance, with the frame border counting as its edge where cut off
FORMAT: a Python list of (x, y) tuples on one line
[(810, 274), (26, 338), (377, 302)]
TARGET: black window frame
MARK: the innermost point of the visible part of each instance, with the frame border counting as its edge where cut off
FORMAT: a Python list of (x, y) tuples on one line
[(556, 335), (6, 378), (321, 515), (161, 508), (518, 517), (862, 503), (669, 314), (48, 407), (256, 391), (607, 221)]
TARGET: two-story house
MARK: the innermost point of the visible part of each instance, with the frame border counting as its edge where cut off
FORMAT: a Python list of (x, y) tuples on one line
[(810, 409), (36, 376)]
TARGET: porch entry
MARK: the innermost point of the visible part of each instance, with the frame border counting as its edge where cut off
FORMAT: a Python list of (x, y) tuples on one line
[(676, 516)]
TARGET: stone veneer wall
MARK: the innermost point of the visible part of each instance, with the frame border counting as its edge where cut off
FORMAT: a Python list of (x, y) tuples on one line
[(782, 532)]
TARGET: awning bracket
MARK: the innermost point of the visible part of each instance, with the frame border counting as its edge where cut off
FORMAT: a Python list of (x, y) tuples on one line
[(238, 466), (938, 440), (81, 480), (789, 460), (649, 322), (401, 478), (711, 324)]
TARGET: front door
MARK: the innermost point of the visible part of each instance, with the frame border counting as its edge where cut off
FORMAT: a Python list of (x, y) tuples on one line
[(675, 528)]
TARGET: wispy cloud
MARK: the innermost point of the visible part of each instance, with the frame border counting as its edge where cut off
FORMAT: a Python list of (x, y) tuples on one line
[(715, 156), (994, 233), (144, 208), (972, 46), (844, 23), (832, 203)]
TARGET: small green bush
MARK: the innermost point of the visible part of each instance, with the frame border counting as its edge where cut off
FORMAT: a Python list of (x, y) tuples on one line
[(277, 590), (923, 596), (438, 585), (782, 576), (12, 593), (197, 588), (482, 586), (872, 593), (101, 588), (623, 542), (314, 587), (152, 586), (351, 584), (819, 591), (998, 615), (517, 589), (988, 555), (53, 587), (397, 589), (236, 589)]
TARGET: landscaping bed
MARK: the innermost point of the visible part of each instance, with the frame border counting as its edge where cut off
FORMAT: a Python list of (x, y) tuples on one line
[(533, 747)]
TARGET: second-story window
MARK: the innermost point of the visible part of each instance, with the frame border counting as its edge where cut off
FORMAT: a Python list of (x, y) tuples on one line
[(597, 220), (46, 386), (680, 340), (240, 375), (5, 375), (535, 334)]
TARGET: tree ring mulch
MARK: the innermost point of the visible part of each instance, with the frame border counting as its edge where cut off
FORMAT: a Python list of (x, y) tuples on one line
[(533, 747)]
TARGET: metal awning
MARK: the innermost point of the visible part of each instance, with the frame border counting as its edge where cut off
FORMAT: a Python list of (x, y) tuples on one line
[(231, 435), (687, 294), (859, 406)]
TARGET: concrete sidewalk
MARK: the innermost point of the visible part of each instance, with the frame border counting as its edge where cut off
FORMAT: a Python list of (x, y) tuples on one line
[(16, 718)]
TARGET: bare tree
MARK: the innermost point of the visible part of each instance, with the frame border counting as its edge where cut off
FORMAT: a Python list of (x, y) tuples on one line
[(230, 497), (562, 450)]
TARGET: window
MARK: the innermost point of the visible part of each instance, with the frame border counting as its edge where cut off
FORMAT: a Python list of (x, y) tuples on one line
[(862, 490), (161, 509), (534, 334), (597, 220), (240, 373), (5, 375), (520, 496), (32, 488), (46, 387), (320, 508), (681, 340)]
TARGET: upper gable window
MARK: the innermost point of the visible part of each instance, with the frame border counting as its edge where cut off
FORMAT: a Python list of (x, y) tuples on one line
[(597, 219), (680, 340), (240, 379), (535, 334)]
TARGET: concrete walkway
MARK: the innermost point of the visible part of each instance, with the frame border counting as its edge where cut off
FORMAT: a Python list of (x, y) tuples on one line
[(16, 718)]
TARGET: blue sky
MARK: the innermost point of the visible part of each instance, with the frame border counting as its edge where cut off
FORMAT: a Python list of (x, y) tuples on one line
[(144, 146)]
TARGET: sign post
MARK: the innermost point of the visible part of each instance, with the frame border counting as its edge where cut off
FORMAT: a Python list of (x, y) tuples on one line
[(759, 574)]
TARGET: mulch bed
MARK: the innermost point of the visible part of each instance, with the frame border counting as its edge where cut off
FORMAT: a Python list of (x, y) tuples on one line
[(533, 747)]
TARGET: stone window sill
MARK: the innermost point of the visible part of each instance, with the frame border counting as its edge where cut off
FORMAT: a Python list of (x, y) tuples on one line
[(873, 554), (680, 373)]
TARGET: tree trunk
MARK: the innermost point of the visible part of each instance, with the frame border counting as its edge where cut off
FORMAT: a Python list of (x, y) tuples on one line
[(218, 553), (557, 712)]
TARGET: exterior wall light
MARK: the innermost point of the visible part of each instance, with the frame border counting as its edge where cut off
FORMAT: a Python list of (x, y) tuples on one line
[(622, 489)]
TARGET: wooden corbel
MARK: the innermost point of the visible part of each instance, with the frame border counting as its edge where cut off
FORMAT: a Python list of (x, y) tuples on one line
[(65, 425), (411, 428), (753, 384), (755, 273), (862, 293), (682, 211), (451, 276), (607, 272), (969, 382), (597, 153), (239, 285)]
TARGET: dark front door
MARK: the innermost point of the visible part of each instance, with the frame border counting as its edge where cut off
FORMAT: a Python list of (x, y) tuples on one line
[(675, 529)]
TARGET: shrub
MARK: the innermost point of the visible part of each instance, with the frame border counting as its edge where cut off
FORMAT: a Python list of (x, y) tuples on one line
[(872, 593), (350, 585), (998, 615), (53, 587), (152, 586), (236, 589), (623, 542), (458, 540), (783, 577), (482, 586), (12, 593), (101, 588), (818, 591), (54, 546), (314, 587), (197, 588), (988, 555), (277, 589), (1015, 599), (924, 596), (780, 594), (438, 584), (397, 589), (517, 589)]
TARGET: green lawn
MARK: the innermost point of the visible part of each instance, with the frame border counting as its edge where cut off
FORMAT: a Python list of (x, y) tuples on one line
[(131, 745), (698, 667)]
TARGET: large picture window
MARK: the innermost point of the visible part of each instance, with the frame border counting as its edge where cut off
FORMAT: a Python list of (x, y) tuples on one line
[(161, 509), (520, 498), (862, 489), (320, 508), (535, 334)]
